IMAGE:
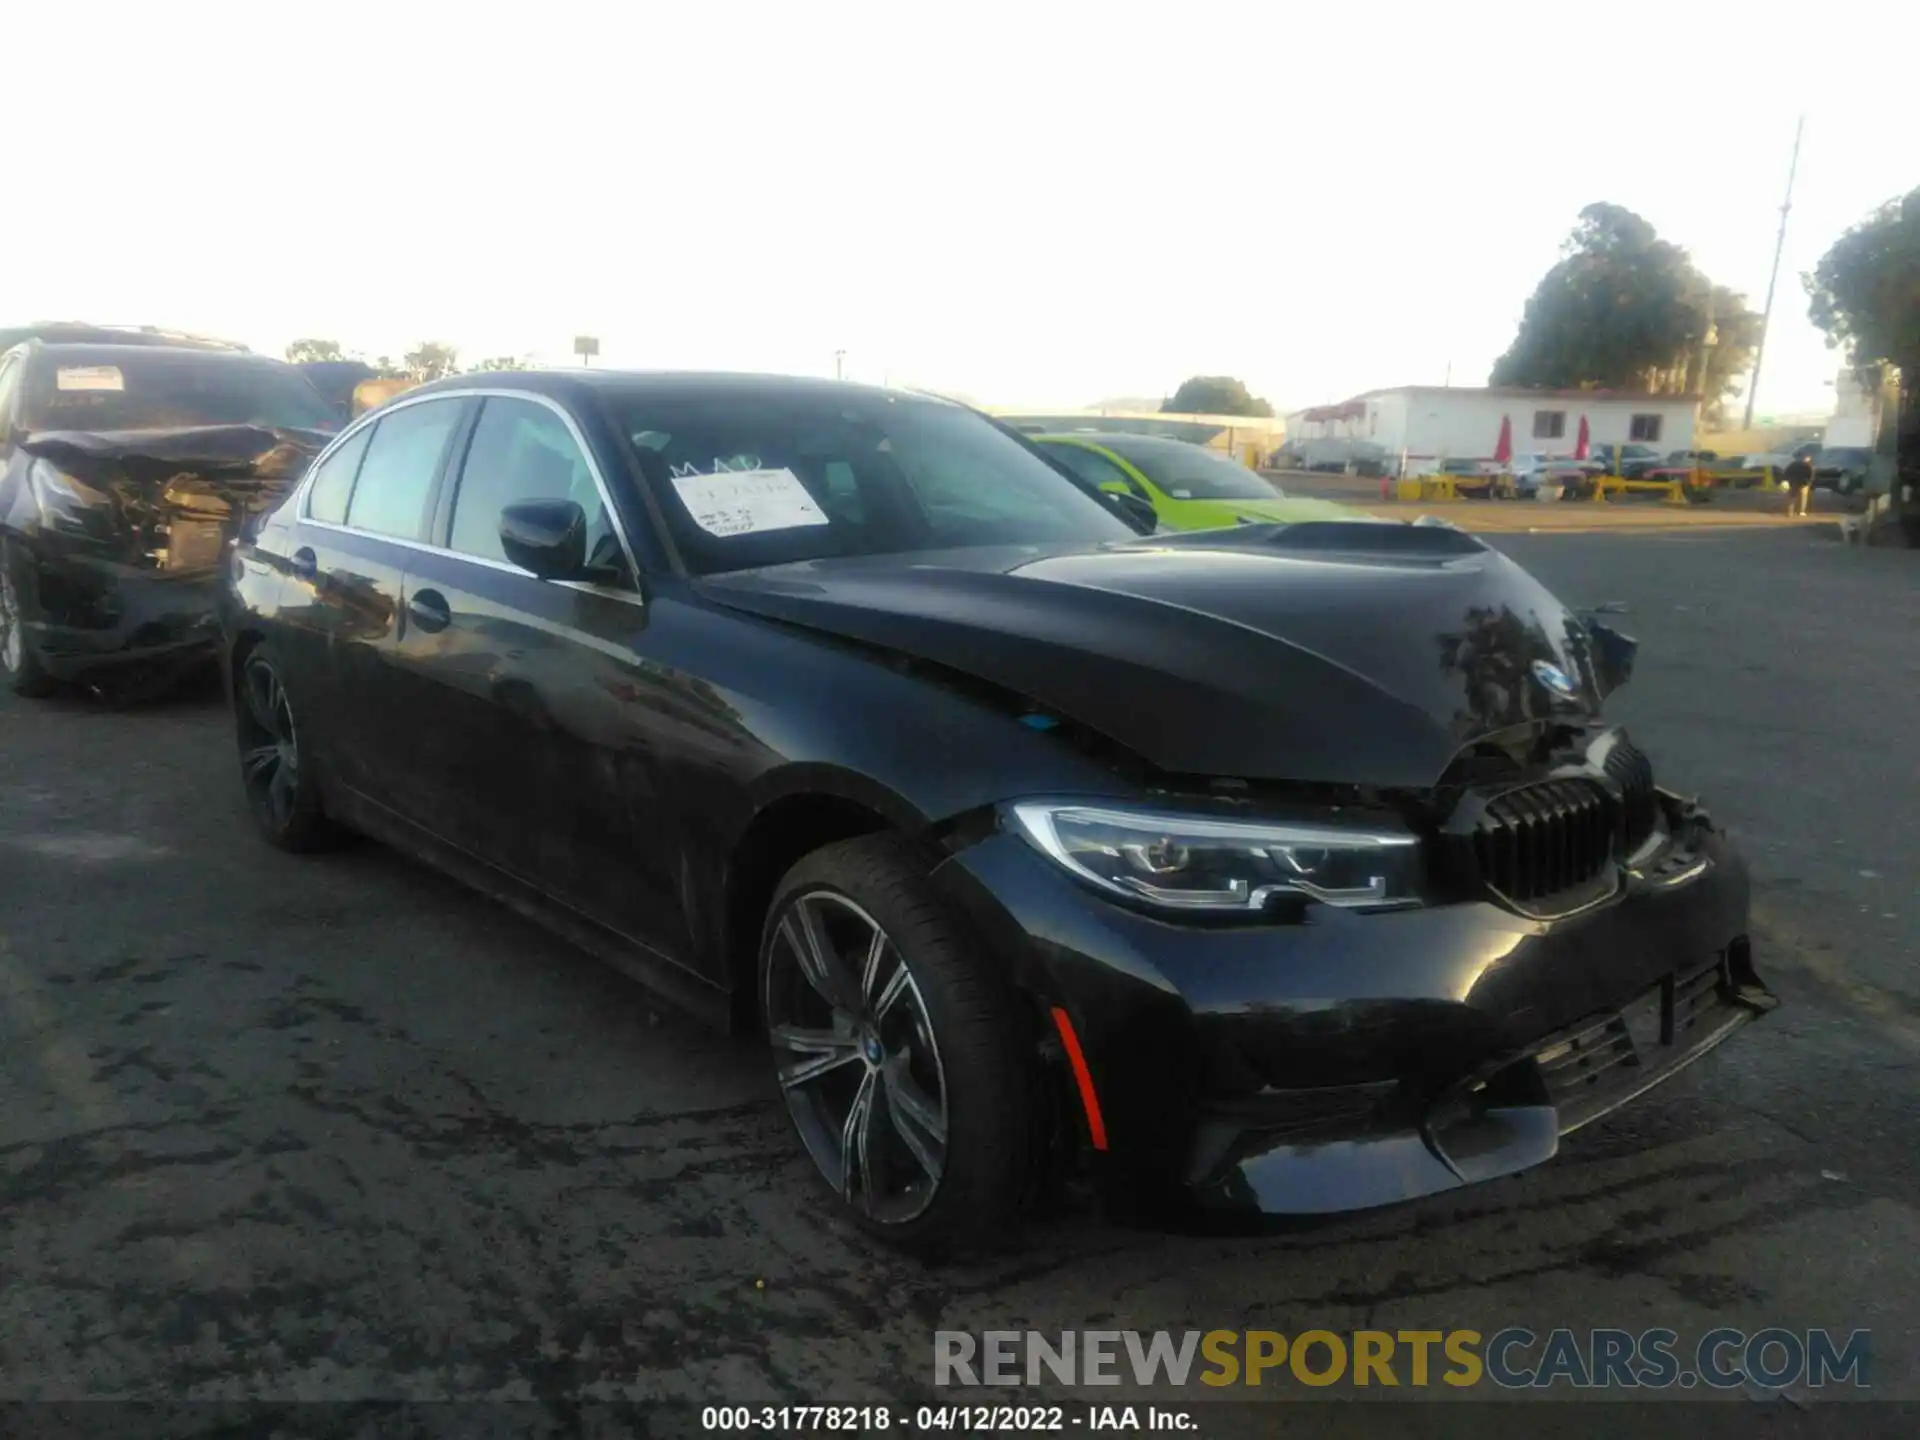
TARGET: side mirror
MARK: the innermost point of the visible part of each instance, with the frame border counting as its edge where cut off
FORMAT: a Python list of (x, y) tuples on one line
[(1138, 513), (547, 537)]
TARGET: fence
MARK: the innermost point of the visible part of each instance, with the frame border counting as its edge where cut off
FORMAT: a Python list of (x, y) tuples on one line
[(1673, 487)]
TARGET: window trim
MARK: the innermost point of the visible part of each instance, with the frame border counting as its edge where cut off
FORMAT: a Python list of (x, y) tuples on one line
[(447, 501), (462, 393)]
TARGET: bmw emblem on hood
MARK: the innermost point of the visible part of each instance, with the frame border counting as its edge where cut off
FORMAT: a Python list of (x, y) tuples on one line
[(1555, 679)]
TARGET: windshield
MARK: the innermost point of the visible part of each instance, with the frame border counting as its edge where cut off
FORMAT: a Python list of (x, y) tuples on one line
[(1187, 472), (771, 478), (125, 389), (1844, 455)]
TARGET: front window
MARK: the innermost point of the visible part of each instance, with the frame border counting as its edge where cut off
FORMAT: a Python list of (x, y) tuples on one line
[(773, 478), (1187, 472), (126, 389)]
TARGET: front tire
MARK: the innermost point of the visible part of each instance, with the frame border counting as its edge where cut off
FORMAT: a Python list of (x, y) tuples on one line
[(900, 1050), (19, 661), (283, 795)]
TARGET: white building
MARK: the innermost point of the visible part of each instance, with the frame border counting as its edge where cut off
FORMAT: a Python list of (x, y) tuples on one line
[(1425, 424)]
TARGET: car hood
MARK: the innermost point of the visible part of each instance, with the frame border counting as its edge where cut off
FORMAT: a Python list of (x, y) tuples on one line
[(1358, 653)]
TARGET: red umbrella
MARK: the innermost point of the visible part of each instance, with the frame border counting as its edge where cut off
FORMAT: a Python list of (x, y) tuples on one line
[(1580, 445), (1503, 451)]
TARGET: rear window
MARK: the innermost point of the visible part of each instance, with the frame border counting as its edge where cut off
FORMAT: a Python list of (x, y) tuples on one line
[(123, 389)]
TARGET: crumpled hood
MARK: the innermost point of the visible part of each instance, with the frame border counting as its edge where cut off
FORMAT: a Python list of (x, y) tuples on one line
[(1360, 654), (229, 452), (169, 499)]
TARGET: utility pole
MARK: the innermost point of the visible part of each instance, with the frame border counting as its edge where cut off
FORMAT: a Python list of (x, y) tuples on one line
[(839, 362), (1773, 278)]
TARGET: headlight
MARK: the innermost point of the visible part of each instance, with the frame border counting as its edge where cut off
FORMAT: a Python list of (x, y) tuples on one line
[(66, 503), (1189, 862)]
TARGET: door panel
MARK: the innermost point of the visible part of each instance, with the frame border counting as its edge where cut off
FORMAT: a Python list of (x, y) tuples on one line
[(523, 690), (526, 699), (342, 601)]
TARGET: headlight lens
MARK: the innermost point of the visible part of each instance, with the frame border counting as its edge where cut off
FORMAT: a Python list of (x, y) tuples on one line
[(1194, 863), (67, 503)]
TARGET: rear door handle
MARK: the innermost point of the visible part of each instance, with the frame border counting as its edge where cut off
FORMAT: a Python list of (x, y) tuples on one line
[(306, 564), (429, 610)]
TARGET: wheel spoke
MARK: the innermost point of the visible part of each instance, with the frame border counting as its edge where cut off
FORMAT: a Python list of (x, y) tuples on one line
[(870, 968), (280, 794), (856, 1137), (917, 1120), (257, 760), (826, 1051), (821, 967), (261, 691), (897, 985)]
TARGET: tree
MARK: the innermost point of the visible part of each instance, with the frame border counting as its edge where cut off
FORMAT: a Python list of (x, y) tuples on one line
[(1865, 293), (302, 352), (430, 360), (1214, 395), (505, 362), (1625, 310)]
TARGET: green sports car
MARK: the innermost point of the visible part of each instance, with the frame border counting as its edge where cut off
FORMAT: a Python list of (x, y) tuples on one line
[(1189, 487)]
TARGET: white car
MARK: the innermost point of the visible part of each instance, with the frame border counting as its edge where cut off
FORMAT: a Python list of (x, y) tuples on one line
[(1536, 474)]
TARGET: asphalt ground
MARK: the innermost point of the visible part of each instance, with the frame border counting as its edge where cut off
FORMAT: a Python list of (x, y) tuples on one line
[(337, 1130)]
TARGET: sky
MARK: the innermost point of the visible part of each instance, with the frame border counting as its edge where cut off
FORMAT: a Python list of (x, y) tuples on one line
[(1043, 204)]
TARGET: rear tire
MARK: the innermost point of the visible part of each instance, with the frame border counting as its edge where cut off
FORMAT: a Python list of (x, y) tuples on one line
[(20, 663), (283, 794), (902, 1052)]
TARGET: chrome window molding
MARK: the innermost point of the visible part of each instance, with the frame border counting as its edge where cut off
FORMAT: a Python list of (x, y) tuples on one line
[(587, 587), (466, 392)]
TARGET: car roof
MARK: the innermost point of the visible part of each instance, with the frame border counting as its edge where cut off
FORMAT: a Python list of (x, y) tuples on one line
[(76, 332), (576, 384), (1126, 442), (145, 354)]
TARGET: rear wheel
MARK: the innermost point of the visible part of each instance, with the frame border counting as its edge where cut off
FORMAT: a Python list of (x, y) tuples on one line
[(19, 661), (282, 794), (899, 1049)]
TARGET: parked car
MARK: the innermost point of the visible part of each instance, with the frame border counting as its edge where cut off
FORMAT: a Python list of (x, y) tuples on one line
[(1189, 486), (124, 470), (841, 716), (1535, 475), (1780, 459), (1629, 461), (1842, 468), (1691, 458)]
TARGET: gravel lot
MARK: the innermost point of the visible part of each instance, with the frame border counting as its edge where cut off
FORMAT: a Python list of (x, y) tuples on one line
[(339, 1130)]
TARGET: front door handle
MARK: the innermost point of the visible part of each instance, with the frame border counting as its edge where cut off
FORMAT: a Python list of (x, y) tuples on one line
[(306, 564), (429, 610)]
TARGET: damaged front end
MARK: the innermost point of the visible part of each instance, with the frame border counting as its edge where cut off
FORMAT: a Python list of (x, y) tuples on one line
[(118, 538)]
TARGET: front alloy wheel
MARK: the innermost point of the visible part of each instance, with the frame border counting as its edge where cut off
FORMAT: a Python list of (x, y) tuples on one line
[(899, 1046), (856, 1057)]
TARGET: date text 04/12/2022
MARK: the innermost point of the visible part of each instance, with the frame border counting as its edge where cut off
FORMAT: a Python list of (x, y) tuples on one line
[(960, 1418)]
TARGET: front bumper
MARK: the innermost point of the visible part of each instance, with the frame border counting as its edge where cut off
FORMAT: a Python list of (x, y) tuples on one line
[(92, 615), (1358, 1060)]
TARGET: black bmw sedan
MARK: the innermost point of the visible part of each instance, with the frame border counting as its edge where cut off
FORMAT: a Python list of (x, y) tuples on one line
[(1271, 869)]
